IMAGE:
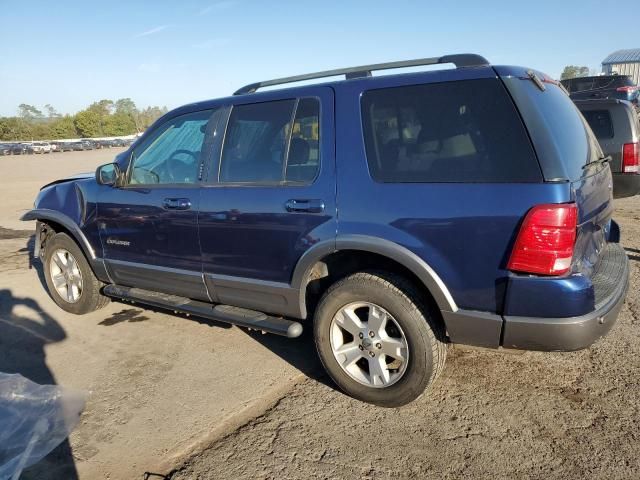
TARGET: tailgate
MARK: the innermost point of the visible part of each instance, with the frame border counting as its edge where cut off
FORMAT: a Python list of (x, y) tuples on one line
[(568, 152), (594, 198)]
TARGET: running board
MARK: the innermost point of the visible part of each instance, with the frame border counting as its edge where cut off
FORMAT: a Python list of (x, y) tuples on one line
[(222, 313)]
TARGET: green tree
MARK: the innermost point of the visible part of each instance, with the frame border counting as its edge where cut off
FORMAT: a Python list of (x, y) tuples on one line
[(63, 127), (88, 123), (102, 108), (118, 124), (126, 105), (15, 128), (28, 112), (150, 115), (51, 112), (573, 71)]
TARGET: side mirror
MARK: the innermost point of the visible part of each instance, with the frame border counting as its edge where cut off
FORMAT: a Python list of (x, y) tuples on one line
[(108, 174)]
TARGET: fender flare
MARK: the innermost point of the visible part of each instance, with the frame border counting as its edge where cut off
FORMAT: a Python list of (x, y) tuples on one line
[(43, 214), (386, 248)]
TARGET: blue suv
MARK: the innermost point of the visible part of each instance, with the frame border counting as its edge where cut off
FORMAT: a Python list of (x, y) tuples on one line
[(392, 214)]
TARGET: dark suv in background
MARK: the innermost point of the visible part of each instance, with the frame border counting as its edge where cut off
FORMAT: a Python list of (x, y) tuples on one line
[(620, 87), (616, 126), (390, 214)]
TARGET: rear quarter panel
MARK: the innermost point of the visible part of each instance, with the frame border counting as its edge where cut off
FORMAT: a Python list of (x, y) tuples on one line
[(463, 231)]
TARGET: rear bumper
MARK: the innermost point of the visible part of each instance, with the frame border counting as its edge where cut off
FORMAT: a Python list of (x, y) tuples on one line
[(607, 291), (611, 282), (625, 185)]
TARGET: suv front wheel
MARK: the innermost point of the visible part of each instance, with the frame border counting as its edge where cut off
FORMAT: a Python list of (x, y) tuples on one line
[(70, 280), (377, 341)]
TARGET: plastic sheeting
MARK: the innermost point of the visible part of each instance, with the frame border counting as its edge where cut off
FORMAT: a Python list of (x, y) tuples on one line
[(34, 419)]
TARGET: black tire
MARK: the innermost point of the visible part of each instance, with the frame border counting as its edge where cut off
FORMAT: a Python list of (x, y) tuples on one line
[(90, 298), (424, 336)]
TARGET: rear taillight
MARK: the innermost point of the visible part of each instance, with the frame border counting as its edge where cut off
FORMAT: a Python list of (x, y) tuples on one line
[(546, 240), (626, 89), (630, 157)]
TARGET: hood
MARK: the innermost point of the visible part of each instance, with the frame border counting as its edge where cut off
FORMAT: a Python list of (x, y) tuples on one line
[(78, 176)]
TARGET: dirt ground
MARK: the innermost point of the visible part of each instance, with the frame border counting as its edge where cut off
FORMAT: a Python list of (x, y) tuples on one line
[(163, 387), (492, 414), (159, 385)]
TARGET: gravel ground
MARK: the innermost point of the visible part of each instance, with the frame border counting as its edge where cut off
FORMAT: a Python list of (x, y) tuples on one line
[(491, 414), (160, 385)]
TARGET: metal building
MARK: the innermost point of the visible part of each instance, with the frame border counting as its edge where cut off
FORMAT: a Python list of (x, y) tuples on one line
[(623, 62)]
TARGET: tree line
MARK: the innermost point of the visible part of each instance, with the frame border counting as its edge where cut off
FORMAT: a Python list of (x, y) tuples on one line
[(573, 71), (105, 118)]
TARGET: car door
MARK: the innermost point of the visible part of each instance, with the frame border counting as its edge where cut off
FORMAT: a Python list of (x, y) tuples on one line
[(149, 224), (269, 198)]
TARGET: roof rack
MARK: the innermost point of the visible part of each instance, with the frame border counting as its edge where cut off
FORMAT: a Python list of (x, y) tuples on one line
[(459, 60)]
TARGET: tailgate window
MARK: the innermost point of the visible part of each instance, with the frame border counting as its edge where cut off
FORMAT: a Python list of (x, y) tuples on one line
[(463, 131), (562, 138)]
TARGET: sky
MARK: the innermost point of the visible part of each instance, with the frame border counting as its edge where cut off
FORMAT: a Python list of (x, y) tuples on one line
[(168, 53)]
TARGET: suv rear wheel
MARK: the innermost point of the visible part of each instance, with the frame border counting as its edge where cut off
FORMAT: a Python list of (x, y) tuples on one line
[(377, 341), (70, 280)]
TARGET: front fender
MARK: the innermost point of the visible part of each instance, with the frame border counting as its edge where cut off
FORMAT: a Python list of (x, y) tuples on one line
[(44, 214)]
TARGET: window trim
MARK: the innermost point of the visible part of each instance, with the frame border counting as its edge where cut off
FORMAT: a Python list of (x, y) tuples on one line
[(282, 183), (130, 159)]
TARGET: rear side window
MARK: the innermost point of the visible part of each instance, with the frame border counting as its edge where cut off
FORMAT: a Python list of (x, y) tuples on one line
[(272, 142), (464, 131), (600, 122)]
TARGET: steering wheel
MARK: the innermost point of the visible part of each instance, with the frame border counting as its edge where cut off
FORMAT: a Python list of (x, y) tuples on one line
[(179, 170), (148, 176)]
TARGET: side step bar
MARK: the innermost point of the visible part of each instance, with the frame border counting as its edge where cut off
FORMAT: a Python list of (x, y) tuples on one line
[(222, 313)]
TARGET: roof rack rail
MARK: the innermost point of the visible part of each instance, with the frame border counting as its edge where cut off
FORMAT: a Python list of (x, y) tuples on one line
[(459, 60)]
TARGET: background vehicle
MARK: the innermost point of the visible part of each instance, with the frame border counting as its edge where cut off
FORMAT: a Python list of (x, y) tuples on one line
[(20, 149), (88, 144), (617, 128), (475, 207), (83, 145), (40, 147), (5, 149), (620, 87)]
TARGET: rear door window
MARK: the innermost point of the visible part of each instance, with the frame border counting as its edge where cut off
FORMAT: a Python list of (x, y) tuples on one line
[(464, 131), (272, 142), (600, 122)]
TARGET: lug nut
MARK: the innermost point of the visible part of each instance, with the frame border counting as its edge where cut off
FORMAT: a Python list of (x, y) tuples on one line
[(378, 345), (372, 334), (360, 347), (371, 354), (360, 335)]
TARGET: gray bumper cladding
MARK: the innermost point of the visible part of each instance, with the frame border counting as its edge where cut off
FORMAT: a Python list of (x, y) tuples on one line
[(610, 282)]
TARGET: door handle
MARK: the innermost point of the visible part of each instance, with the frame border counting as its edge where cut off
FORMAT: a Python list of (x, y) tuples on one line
[(299, 205), (176, 204)]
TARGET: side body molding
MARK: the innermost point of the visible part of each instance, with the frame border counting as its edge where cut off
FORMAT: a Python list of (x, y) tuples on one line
[(380, 246)]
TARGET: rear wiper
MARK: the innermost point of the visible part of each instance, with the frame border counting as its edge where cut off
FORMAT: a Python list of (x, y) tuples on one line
[(602, 159)]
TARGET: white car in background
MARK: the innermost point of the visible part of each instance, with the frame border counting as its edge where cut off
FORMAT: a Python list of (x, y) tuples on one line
[(41, 147)]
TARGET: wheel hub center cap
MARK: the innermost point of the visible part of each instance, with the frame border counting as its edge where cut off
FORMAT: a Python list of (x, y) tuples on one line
[(367, 344)]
